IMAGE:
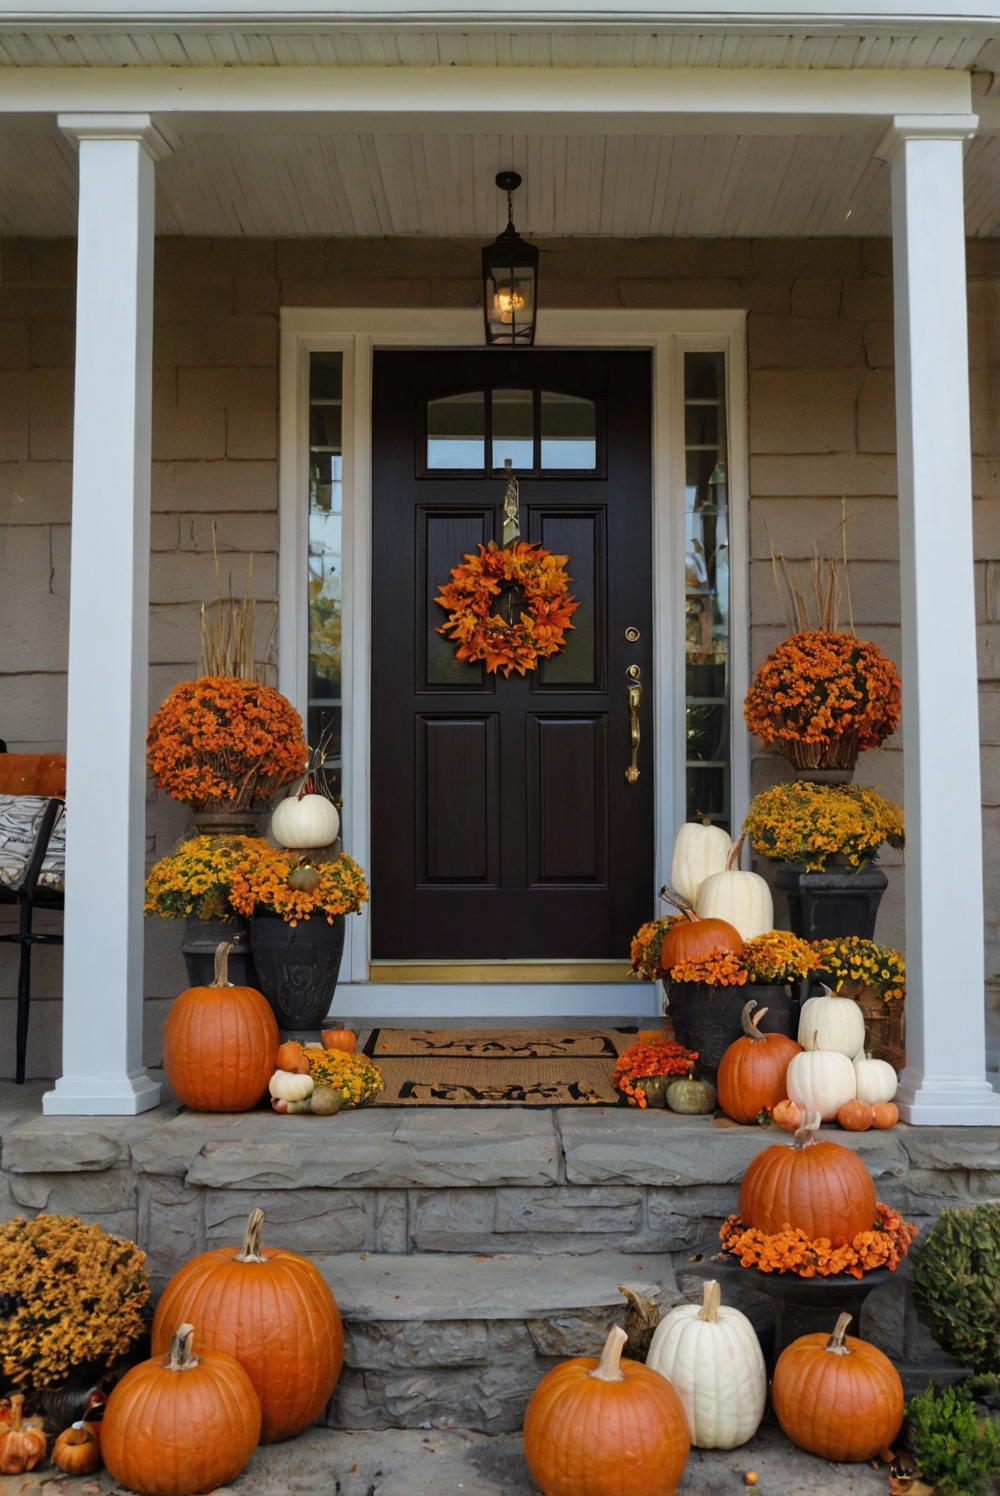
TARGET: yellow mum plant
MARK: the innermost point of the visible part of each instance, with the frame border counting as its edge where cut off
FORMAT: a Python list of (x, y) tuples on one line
[(810, 823), (194, 881), (852, 963), (779, 956), (353, 1075)]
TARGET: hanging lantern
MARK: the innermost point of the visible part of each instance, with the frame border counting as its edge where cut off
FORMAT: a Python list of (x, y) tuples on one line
[(510, 280)]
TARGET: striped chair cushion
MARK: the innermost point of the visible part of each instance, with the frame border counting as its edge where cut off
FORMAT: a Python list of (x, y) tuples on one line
[(20, 818)]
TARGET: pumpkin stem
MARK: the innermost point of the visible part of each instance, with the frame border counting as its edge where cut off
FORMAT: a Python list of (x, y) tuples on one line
[(253, 1240), (835, 1344), (678, 901), (608, 1368), (805, 1135), (735, 854), (751, 1025), (704, 817), (180, 1356), (222, 964), (711, 1298), (16, 1405), (77, 1433)]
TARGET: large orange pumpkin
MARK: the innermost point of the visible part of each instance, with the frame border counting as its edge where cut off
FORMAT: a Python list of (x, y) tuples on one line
[(822, 1189), (273, 1311), (752, 1070), (606, 1428), (180, 1423), (219, 1044), (836, 1396), (695, 939)]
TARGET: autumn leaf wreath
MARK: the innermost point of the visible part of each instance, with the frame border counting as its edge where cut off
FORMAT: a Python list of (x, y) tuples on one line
[(483, 635)]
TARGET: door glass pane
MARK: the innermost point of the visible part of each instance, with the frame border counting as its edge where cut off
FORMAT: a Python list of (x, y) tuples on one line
[(707, 587), (514, 428), (569, 432), (456, 431), (325, 557)]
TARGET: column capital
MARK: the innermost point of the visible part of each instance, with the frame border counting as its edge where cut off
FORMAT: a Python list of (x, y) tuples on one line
[(925, 127), (138, 127)]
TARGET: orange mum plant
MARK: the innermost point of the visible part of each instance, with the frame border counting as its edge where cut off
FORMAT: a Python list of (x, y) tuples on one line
[(224, 744), (502, 644), (650, 1057), (822, 697), (261, 877), (646, 943), (791, 1251)]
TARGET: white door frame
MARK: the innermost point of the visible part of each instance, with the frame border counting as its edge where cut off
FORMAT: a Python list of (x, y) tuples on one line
[(357, 332)]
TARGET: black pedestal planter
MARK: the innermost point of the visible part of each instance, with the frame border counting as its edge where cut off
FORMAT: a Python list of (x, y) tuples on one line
[(298, 966), (828, 905), (201, 936), (782, 1016), (709, 1019), (807, 1306)]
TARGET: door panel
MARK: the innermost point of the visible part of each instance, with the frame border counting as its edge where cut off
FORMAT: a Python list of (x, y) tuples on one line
[(502, 823)]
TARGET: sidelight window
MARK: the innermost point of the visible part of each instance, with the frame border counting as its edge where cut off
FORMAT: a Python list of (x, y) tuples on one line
[(326, 373)]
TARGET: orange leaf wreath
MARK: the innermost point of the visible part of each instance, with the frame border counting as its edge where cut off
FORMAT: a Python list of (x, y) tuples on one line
[(482, 635)]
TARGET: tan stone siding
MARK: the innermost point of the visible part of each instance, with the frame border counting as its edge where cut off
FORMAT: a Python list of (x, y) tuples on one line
[(821, 430)]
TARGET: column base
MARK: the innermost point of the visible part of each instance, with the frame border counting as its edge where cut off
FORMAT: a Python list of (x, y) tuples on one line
[(102, 1095), (948, 1102)]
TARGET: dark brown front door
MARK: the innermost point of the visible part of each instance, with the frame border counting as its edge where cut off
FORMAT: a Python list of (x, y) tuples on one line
[(503, 824)]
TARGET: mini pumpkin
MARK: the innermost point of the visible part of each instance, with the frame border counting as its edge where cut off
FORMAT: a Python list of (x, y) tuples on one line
[(285, 1085), (21, 1447), (855, 1116), (837, 1397), (219, 1043), (293, 1058), (711, 1357), (885, 1114), (753, 1069), (690, 1097), (344, 1039), (821, 1188), (788, 1115), (77, 1450)]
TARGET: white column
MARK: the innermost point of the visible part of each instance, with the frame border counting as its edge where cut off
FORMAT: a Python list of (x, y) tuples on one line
[(945, 1078), (108, 626)]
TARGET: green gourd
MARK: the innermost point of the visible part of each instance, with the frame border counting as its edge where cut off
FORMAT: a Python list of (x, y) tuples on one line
[(693, 1098)]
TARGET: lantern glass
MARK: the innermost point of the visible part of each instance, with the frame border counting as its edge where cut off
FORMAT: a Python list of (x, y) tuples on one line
[(510, 279)]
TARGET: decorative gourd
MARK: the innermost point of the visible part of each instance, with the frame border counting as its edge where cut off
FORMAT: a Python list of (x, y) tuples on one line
[(855, 1116), (690, 1097), (77, 1451), (304, 821), (820, 1188), (179, 1422), (695, 938), (820, 1080), (711, 1357), (285, 1085), (303, 879), (611, 1427), (836, 1396), (788, 1115), (293, 1058), (876, 1080), (325, 1101), (273, 1311), (837, 1022), (700, 849), (744, 899), (21, 1447), (219, 1044), (752, 1070), (885, 1114), (344, 1039)]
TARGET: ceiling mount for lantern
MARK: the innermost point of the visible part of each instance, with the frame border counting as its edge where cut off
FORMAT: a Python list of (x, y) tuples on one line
[(510, 279)]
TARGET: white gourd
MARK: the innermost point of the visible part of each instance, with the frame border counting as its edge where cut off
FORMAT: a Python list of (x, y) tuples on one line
[(743, 899), (700, 849), (876, 1079), (711, 1357), (837, 1022), (286, 1085), (820, 1080), (311, 821)]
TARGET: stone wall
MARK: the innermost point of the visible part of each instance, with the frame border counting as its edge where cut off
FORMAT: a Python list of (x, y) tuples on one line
[(821, 434)]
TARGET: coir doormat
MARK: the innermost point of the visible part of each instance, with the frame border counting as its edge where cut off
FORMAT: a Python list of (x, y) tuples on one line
[(498, 1067)]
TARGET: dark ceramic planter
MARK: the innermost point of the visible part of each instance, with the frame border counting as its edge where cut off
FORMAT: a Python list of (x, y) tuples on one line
[(201, 936), (709, 1019), (834, 903), (810, 1306), (298, 966), (782, 1004)]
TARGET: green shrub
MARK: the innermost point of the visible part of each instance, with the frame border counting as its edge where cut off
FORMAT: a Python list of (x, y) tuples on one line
[(955, 1449), (957, 1285)]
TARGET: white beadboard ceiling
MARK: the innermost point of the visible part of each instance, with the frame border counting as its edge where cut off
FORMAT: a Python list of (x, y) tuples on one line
[(364, 186)]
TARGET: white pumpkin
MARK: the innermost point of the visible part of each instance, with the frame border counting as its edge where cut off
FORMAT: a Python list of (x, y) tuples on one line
[(743, 899), (700, 849), (711, 1357), (286, 1085), (311, 821), (837, 1022), (876, 1079), (820, 1080)]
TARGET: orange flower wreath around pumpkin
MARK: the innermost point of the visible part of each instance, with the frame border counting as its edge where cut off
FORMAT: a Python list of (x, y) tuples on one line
[(482, 635)]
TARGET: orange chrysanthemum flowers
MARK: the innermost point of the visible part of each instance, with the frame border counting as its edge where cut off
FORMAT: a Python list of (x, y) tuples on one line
[(791, 1251), (820, 698), (482, 635), (221, 743), (656, 1057)]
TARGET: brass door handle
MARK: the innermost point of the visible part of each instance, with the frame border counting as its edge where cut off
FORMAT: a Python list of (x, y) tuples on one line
[(634, 703)]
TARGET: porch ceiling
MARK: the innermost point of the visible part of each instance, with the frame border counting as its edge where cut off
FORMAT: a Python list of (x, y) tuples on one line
[(364, 185)]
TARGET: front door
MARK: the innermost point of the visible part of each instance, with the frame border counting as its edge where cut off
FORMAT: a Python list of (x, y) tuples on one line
[(507, 819)]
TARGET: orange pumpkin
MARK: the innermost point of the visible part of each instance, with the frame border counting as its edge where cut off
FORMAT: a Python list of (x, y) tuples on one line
[(788, 1115), (695, 938), (836, 1396), (752, 1070), (822, 1189), (77, 1451), (344, 1039), (292, 1057), (273, 1311), (180, 1423), (885, 1114), (855, 1116), (219, 1044), (24, 1444), (606, 1428)]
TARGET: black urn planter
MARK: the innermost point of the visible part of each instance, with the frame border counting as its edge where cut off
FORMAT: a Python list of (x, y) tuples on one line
[(834, 903), (202, 936), (709, 1019), (298, 966), (810, 1306), (782, 1004)]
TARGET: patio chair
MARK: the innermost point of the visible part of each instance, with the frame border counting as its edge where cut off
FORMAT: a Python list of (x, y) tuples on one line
[(32, 859)]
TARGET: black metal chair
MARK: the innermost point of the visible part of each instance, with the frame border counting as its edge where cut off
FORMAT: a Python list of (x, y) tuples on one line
[(28, 897)]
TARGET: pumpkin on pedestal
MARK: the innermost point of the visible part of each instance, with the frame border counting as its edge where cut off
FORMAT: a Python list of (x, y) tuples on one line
[(820, 1188), (752, 1071), (273, 1311), (305, 821), (836, 1396), (219, 1044), (711, 1357)]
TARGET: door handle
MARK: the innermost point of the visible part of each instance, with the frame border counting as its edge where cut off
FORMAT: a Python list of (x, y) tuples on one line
[(634, 703)]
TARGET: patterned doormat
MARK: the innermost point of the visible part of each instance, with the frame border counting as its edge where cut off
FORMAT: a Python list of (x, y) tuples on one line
[(498, 1067)]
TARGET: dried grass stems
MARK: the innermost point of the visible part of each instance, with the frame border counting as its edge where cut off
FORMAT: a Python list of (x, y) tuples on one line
[(830, 580), (228, 641)]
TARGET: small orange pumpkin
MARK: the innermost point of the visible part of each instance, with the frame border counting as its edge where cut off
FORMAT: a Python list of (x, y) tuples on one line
[(823, 1189), (344, 1039), (885, 1114), (292, 1057), (752, 1070), (855, 1116), (694, 938), (788, 1115), (611, 1427), (219, 1044), (77, 1450), (21, 1447), (837, 1397)]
